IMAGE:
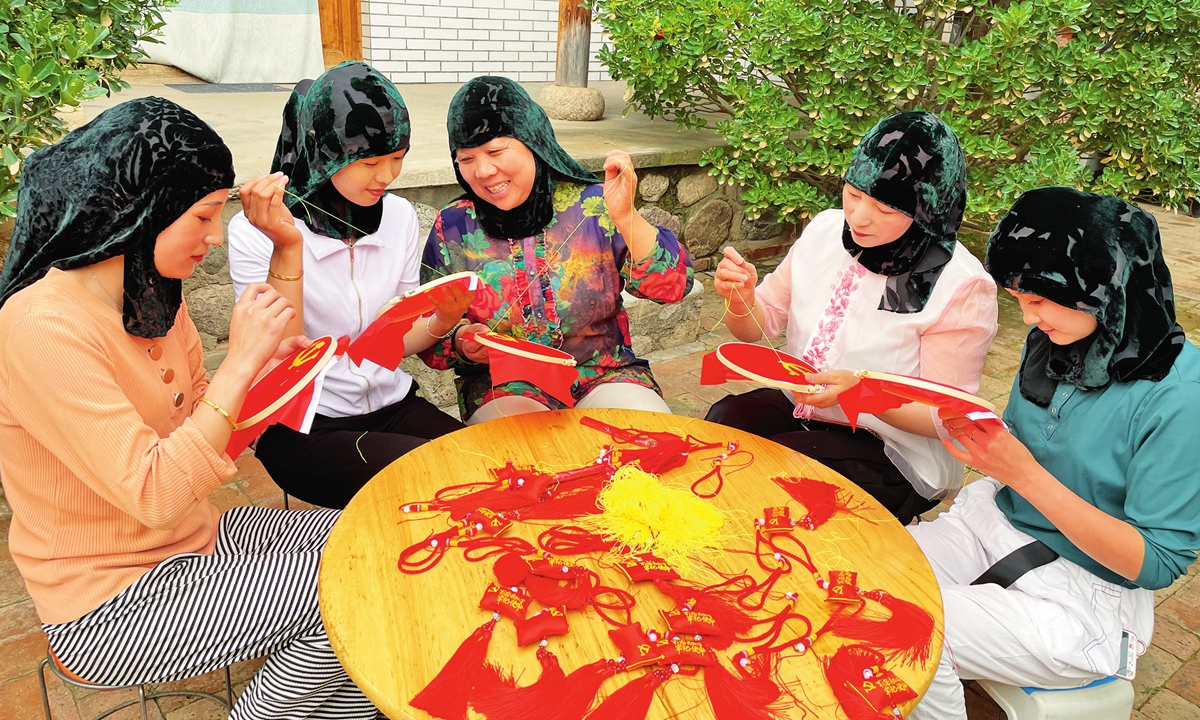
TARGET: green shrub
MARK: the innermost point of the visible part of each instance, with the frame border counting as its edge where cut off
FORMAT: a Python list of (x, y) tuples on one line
[(56, 54), (1030, 87)]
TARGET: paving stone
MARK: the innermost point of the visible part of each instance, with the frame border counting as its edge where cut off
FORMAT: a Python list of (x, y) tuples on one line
[(1186, 682), (1164, 593), (1166, 705), (99, 702), (1181, 613), (12, 587), (228, 497), (18, 619), (1153, 669), (21, 654), (1179, 642), (21, 699)]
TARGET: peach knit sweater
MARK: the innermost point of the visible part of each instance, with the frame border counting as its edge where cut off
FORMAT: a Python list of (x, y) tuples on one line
[(106, 475)]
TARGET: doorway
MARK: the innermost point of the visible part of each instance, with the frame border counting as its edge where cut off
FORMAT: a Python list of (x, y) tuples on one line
[(341, 30)]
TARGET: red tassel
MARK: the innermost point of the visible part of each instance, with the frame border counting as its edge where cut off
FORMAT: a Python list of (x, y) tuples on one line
[(844, 672), (567, 501), (732, 620), (821, 499), (496, 696), (631, 701), (446, 695), (572, 540), (906, 636), (748, 696), (581, 688)]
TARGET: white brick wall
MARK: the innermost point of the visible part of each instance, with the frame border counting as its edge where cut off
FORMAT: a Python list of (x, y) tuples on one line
[(413, 41)]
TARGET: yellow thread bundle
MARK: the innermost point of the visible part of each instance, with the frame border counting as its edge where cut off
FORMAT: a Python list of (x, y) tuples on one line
[(639, 511)]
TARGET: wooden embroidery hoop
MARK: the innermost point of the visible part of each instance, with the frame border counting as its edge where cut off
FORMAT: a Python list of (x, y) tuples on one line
[(315, 357), (404, 305), (896, 384), (523, 348), (735, 356)]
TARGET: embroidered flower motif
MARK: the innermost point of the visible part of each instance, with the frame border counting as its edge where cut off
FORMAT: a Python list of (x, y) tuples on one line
[(821, 346)]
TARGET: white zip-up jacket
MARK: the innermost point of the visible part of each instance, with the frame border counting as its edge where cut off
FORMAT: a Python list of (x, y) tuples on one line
[(344, 286)]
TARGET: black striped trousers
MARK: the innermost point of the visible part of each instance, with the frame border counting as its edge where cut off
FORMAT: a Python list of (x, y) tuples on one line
[(192, 614)]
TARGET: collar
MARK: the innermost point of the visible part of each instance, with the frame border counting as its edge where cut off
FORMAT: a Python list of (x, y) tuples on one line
[(323, 246)]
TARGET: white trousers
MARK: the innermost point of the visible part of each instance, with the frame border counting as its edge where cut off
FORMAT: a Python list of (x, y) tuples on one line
[(626, 396), (1057, 626)]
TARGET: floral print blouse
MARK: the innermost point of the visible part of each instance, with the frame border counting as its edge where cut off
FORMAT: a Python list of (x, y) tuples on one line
[(560, 288)]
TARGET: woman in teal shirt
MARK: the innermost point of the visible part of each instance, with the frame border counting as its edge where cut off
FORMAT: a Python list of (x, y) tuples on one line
[(1093, 495)]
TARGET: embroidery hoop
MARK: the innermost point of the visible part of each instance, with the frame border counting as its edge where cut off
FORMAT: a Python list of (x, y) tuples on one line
[(524, 348), (284, 382), (740, 357), (917, 390), (409, 303)]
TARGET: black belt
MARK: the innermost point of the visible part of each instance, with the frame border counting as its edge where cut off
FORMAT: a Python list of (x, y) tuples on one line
[(1008, 569)]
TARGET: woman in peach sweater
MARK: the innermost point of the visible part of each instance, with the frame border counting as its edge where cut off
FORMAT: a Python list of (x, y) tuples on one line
[(114, 437)]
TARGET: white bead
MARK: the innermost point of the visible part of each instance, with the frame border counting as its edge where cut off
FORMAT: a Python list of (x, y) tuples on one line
[(479, 526), (520, 482), (867, 674), (404, 509), (433, 543), (674, 668), (778, 556), (800, 648), (652, 635), (744, 661)]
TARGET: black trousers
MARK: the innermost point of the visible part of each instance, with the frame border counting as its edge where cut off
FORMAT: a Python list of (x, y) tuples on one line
[(339, 455), (857, 454)]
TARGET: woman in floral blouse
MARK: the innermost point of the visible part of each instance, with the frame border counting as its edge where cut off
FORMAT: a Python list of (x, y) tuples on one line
[(554, 249)]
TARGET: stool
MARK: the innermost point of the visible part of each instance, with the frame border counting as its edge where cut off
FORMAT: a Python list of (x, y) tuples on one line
[(1108, 698), (143, 695)]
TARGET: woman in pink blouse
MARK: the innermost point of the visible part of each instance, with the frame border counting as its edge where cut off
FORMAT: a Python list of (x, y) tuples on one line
[(883, 285)]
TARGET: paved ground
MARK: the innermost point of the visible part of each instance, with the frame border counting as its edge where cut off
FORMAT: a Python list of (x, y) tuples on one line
[(1168, 679)]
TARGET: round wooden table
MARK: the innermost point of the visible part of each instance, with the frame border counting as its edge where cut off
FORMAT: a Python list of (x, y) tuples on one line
[(393, 632)]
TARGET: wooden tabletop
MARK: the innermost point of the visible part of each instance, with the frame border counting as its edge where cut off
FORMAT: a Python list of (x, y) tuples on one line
[(393, 632)]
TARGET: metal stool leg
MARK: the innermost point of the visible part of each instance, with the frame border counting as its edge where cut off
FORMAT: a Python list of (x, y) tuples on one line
[(228, 687), (42, 684), (142, 701), (285, 502)]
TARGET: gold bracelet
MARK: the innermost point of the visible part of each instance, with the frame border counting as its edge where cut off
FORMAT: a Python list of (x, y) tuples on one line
[(752, 306), (232, 423), (277, 276)]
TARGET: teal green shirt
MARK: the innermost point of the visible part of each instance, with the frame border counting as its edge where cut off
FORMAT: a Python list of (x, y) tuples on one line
[(1130, 449)]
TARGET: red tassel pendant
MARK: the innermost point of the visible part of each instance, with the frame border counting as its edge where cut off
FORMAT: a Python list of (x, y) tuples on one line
[(748, 696), (446, 695), (844, 672), (905, 636), (821, 499), (631, 701), (496, 696), (581, 688)]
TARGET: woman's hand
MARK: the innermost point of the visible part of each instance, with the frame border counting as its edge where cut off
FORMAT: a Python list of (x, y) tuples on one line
[(256, 328), (735, 280), (287, 346), (620, 186), (991, 449), (836, 382), (451, 305), (468, 347), (262, 202)]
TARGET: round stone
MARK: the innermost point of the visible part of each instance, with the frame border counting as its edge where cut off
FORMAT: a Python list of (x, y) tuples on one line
[(708, 227), (652, 187), (658, 217), (694, 188), (572, 103)]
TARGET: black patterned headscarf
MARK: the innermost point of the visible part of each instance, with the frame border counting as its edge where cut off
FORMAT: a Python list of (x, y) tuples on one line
[(489, 107), (911, 162), (349, 113), (109, 188), (1101, 255)]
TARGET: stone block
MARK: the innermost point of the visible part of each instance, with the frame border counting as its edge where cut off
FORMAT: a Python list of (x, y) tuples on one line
[(653, 186), (572, 103), (661, 218), (694, 188), (708, 227), (210, 307), (654, 326), (426, 215), (437, 386), (763, 228)]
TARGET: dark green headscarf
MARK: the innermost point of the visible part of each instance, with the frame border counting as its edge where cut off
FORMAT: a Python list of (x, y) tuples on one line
[(109, 188), (1101, 255), (489, 107), (349, 113), (911, 162)]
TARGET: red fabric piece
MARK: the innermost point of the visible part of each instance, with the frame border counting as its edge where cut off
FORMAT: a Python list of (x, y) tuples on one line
[(510, 569), (554, 379), (777, 519), (749, 695), (688, 623), (488, 521), (291, 414), (382, 342), (446, 695), (636, 647), (645, 566), (551, 567), (867, 397), (505, 601), (544, 623), (496, 696), (687, 651), (844, 672), (843, 586), (715, 372)]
